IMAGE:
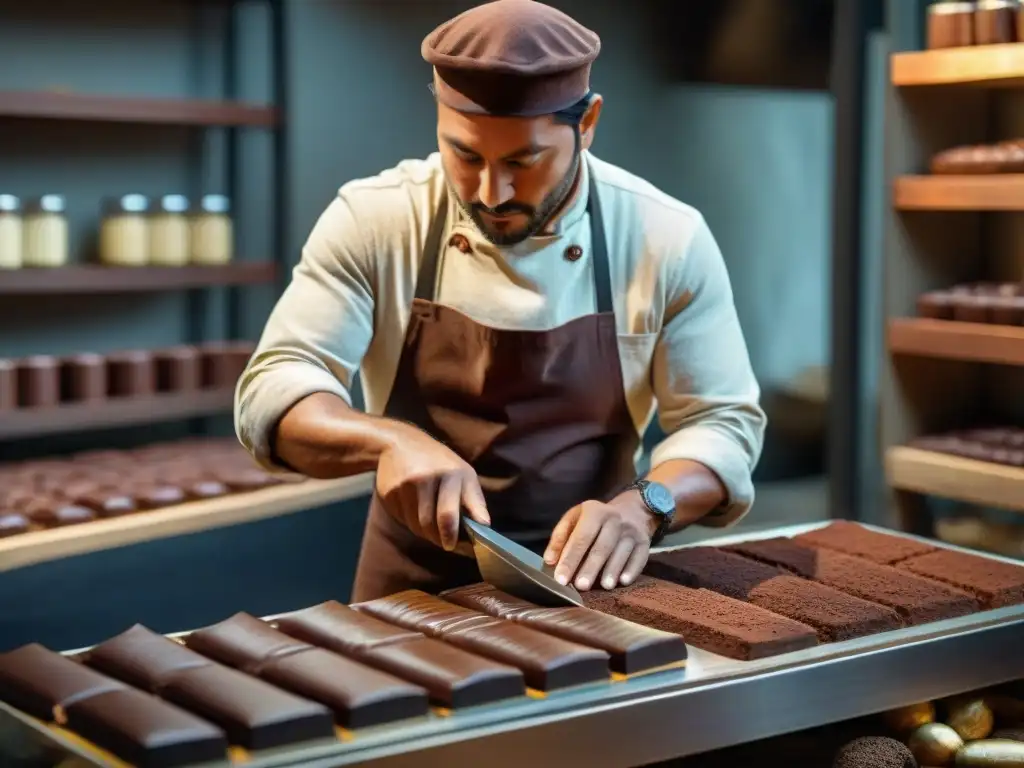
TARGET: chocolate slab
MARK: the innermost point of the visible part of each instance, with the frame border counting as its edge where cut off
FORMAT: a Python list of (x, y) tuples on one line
[(548, 662), (782, 552), (994, 583), (359, 696), (37, 680), (254, 714), (143, 658), (243, 642), (341, 629), (854, 539), (145, 731), (416, 610), (452, 677), (633, 648)]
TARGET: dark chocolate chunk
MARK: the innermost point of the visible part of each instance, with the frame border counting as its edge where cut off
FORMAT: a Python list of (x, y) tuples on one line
[(84, 378), (414, 609), (145, 731), (39, 382), (107, 503), (205, 489), (177, 369), (874, 752), (452, 677), (158, 497), (359, 696), (341, 629), (38, 681), (55, 514), (633, 648), (143, 658), (243, 642), (993, 582), (854, 539), (12, 523), (131, 374), (255, 714)]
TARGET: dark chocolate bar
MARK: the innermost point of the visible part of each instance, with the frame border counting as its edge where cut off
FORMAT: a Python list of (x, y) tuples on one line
[(484, 598), (452, 677), (243, 642), (414, 609), (143, 658), (341, 629), (37, 681), (255, 714), (359, 696), (145, 731)]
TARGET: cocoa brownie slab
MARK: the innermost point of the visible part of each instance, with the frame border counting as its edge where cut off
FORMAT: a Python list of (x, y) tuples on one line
[(994, 583), (854, 539)]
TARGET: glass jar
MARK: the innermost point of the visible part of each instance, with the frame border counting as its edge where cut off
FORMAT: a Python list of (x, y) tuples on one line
[(950, 25), (212, 231), (169, 232), (995, 22), (11, 227), (124, 233), (45, 232)]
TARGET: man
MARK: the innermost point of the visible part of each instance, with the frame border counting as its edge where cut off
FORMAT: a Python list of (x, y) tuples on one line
[(516, 308)]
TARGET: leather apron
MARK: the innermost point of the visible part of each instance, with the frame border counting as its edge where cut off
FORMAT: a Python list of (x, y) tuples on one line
[(540, 415)]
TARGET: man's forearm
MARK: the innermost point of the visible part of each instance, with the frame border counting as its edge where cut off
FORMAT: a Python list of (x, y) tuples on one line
[(696, 489), (322, 436)]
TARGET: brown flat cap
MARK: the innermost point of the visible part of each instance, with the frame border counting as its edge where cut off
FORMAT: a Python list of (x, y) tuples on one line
[(511, 57)]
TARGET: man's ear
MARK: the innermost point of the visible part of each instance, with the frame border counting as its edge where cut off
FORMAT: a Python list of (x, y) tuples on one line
[(588, 125)]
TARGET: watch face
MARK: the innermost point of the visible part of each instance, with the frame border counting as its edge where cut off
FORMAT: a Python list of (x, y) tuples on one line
[(659, 497)]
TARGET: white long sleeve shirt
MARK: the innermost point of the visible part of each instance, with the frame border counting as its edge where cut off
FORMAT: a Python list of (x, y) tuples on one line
[(682, 351)]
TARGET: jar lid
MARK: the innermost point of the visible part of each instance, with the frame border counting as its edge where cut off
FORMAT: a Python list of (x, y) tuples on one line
[(9, 204), (215, 204), (173, 204), (47, 204), (945, 7), (995, 5), (131, 203)]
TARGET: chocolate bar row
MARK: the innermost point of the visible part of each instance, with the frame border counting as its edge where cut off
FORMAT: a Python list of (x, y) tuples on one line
[(45, 381), (101, 484), (155, 701), (1003, 157), (998, 445), (998, 304)]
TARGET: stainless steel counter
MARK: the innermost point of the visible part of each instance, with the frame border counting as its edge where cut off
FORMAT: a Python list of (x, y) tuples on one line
[(715, 702)]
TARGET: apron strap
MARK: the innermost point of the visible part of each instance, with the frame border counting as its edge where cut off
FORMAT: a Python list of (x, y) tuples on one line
[(426, 280)]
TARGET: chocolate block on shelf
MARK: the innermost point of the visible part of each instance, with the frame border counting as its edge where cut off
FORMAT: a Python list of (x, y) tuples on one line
[(12, 523), (223, 363), (178, 369), (341, 629), (937, 305), (158, 496), (242, 481), (145, 731), (243, 642), (107, 503), (452, 677), (854, 539), (1007, 310), (57, 514), (8, 385), (834, 614), (706, 619), (633, 648), (143, 658), (993, 582), (83, 378), (255, 714), (38, 681), (205, 489), (971, 309), (39, 382), (416, 610), (359, 695)]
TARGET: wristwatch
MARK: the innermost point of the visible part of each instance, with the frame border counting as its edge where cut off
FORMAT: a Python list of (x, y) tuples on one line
[(660, 503)]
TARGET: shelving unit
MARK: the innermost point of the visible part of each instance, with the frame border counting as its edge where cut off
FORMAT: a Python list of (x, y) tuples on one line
[(96, 279), (942, 231)]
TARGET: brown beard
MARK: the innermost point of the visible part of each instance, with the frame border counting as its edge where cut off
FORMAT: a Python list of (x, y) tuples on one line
[(537, 217)]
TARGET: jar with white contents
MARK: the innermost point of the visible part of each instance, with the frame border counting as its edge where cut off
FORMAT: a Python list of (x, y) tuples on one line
[(124, 232), (212, 231), (45, 232), (11, 227), (169, 232)]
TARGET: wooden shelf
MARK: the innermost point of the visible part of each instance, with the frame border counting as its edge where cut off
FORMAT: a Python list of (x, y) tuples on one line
[(977, 342), (42, 546), (99, 279), (78, 417), (990, 66), (997, 192), (951, 477), (60, 105)]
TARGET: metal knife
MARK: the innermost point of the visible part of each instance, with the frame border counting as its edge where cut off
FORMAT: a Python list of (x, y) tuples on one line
[(514, 569)]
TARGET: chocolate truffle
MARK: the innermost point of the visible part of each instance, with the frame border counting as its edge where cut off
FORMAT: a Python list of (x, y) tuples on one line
[(854, 539), (874, 752), (994, 583)]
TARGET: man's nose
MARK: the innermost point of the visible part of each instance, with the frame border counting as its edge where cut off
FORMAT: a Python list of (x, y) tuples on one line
[(495, 188)]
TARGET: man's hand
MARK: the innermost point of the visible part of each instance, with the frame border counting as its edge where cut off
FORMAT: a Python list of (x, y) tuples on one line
[(424, 485), (602, 541)]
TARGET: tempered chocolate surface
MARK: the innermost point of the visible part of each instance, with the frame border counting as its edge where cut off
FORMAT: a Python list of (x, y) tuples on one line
[(145, 731), (143, 658), (243, 641), (452, 677), (414, 609), (255, 714), (853, 539), (486, 599), (995, 584), (359, 695), (341, 629), (35, 679)]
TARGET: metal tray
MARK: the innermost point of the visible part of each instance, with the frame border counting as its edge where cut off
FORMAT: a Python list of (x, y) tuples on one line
[(713, 703)]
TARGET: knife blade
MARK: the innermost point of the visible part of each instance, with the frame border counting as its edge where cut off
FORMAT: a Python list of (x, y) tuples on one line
[(514, 569)]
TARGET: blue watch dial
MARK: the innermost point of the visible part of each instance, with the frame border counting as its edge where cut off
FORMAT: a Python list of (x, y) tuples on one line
[(659, 499)]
